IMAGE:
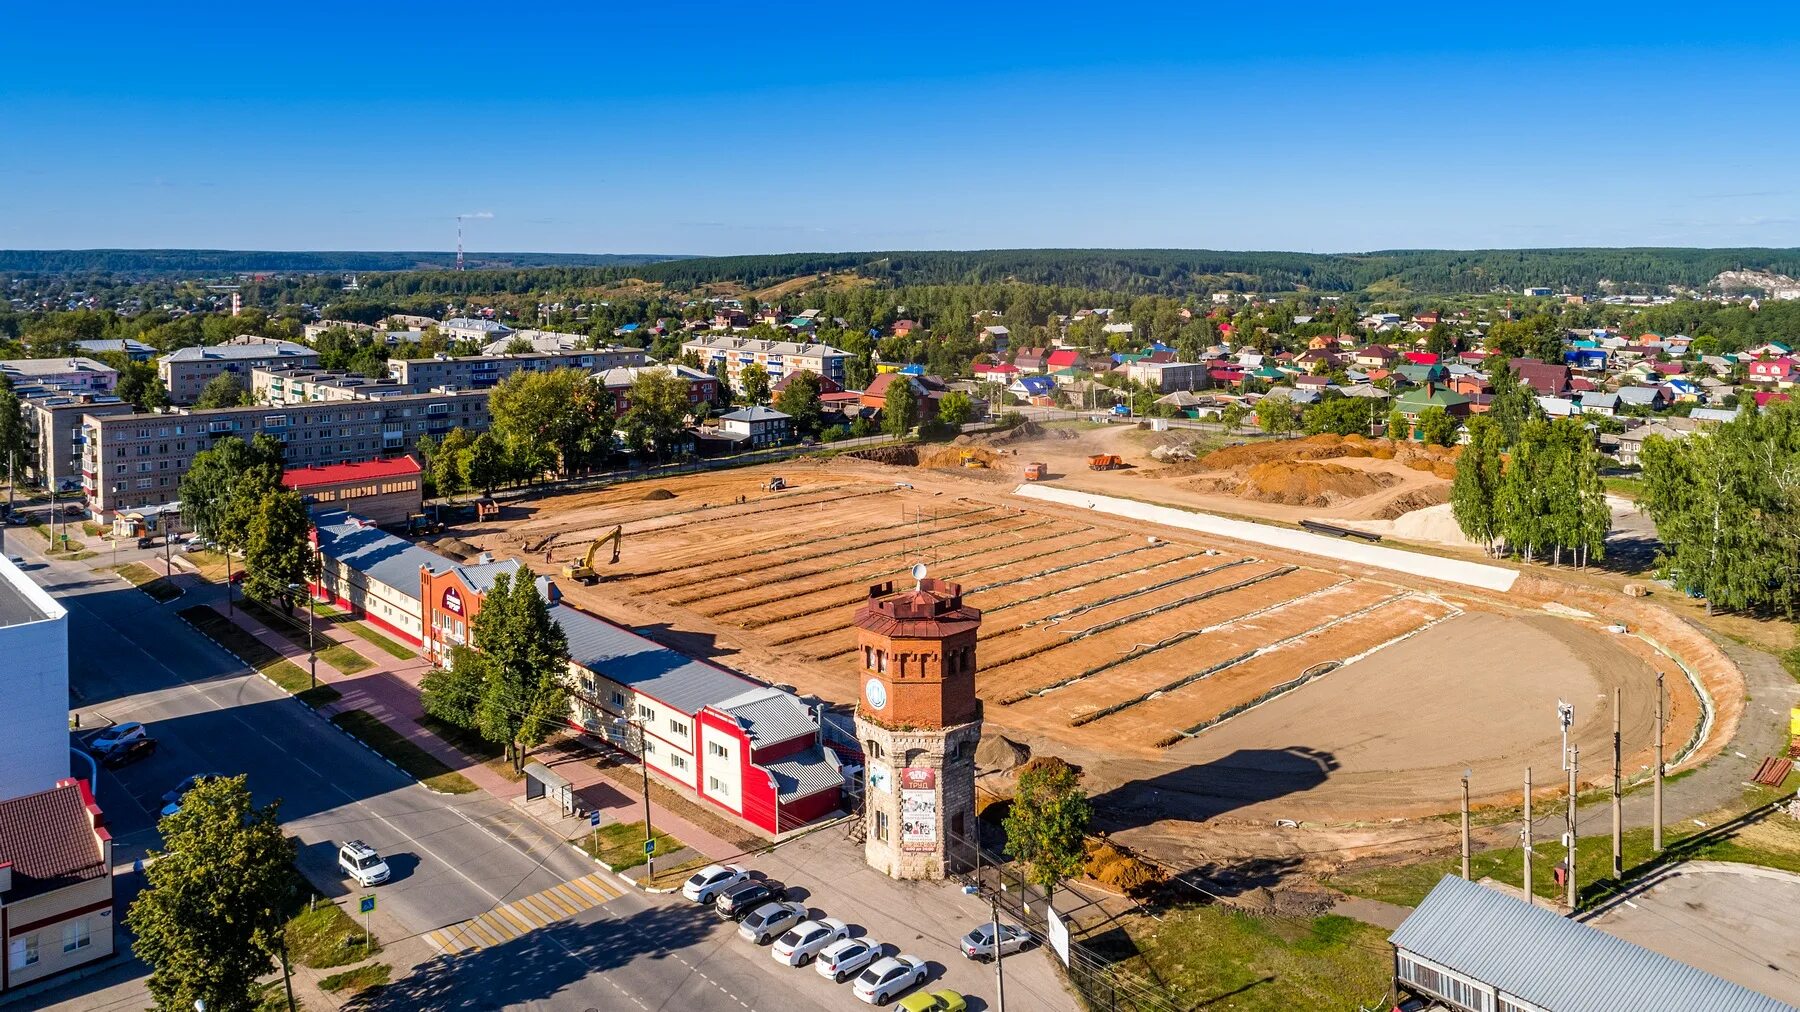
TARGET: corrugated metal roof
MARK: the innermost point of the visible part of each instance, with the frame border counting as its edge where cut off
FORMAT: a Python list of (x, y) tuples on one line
[(365, 548), (769, 715), (808, 772), (646, 666), (1559, 964)]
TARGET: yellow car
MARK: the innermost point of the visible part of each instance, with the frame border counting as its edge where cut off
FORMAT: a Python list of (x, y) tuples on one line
[(936, 1001)]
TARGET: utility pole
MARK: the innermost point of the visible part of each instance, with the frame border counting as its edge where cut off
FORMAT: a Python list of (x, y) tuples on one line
[(999, 963), (1530, 896), (1465, 824), (1574, 766), (1618, 839), (1656, 815)]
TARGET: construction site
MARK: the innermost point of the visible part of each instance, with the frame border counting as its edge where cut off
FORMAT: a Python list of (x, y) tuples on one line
[(1196, 678)]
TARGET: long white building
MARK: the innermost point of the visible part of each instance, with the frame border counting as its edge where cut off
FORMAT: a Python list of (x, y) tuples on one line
[(34, 681), (778, 358)]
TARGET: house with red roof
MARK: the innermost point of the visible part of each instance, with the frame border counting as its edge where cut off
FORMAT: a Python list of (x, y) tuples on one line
[(56, 885), (1421, 358), (1544, 379), (996, 372), (1778, 372), (1063, 358)]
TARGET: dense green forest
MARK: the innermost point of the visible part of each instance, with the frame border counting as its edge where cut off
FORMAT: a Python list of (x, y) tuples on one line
[(220, 261)]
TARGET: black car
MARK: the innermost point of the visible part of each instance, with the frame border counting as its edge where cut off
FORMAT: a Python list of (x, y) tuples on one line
[(740, 899), (127, 752)]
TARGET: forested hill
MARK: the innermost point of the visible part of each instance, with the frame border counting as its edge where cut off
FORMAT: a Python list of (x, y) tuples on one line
[(1168, 272), (223, 261)]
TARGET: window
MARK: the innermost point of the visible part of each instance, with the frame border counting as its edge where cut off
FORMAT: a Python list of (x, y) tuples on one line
[(75, 935), (715, 749), (646, 712), (677, 762), (873, 749), (649, 746), (716, 786), (881, 826), (618, 699), (677, 727), (24, 952)]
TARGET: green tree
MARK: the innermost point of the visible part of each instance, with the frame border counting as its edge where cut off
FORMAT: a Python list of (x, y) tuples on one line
[(140, 386), (1397, 425), (900, 407), (1436, 427), (226, 390), (278, 552), (209, 487), (753, 383), (1474, 494), (210, 918), (801, 400), (15, 443), (1277, 416), (956, 408), (545, 418), (524, 696), (1513, 405), (658, 411), (1232, 416), (453, 694), (1047, 823), (450, 463), (1342, 415), (487, 463)]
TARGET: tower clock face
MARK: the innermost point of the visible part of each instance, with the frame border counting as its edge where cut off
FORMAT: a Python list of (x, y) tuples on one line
[(876, 694)]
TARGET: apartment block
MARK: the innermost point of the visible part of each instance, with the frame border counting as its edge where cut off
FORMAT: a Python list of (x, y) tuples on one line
[(74, 375), (132, 461), (283, 386), (479, 372), (186, 371), (53, 430), (778, 358)]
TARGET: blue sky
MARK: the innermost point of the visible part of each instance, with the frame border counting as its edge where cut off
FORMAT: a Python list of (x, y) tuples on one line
[(706, 128)]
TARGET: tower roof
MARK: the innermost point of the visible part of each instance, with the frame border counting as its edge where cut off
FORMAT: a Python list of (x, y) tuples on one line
[(932, 610)]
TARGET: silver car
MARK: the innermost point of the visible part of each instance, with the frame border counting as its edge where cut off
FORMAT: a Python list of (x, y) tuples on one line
[(768, 921)]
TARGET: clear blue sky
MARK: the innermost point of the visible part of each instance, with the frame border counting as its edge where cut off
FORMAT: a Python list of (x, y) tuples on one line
[(703, 128)]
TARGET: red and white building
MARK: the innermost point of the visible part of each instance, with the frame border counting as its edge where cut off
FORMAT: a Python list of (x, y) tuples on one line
[(1779, 372), (385, 491)]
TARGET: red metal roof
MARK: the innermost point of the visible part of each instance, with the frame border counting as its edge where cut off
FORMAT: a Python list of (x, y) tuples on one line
[(334, 474), (1063, 358), (49, 839)]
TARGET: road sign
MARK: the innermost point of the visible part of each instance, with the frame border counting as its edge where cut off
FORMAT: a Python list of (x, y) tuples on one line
[(368, 905), (594, 817), (649, 846)]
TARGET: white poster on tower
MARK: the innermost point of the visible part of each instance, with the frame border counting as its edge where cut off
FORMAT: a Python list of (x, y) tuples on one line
[(918, 808)]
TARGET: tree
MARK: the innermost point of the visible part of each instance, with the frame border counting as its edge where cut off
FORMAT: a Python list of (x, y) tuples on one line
[(657, 416), (956, 408), (210, 918), (1277, 416), (211, 484), (278, 552), (900, 407), (525, 658), (547, 418), (1513, 403), (1232, 416), (450, 463), (226, 390), (1474, 494), (141, 387), (1342, 415), (1436, 427), (453, 694), (1397, 425), (753, 381), (487, 463), (1047, 823), (15, 442), (800, 399)]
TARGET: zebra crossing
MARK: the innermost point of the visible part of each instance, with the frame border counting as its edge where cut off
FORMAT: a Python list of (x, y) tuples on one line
[(505, 923)]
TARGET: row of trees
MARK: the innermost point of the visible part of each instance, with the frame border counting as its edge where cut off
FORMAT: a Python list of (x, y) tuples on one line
[(513, 690), (232, 495), (1536, 497), (1726, 503)]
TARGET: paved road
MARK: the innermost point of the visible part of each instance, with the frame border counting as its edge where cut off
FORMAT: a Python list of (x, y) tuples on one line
[(454, 857)]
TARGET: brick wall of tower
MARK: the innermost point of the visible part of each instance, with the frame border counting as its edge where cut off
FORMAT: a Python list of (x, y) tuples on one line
[(931, 682)]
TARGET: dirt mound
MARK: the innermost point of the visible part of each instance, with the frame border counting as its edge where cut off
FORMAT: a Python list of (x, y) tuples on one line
[(658, 495), (954, 456), (899, 456), (1417, 499), (457, 547), (1304, 483), (1020, 433), (998, 752)]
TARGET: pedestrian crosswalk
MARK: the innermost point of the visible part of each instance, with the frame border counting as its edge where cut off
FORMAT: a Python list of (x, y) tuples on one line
[(507, 922)]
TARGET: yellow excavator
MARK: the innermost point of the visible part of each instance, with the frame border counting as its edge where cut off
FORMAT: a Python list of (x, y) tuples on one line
[(584, 572)]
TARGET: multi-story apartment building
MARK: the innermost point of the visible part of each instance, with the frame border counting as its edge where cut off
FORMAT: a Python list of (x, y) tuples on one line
[(540, 340), (73, 375), (186, 371), (778, 358), (462, 328), (703, 388), (478, 372), (132, 461), (306, 386), (53, 430)]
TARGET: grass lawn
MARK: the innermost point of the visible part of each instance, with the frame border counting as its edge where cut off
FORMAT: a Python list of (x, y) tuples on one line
[(360, 979), (392, 647), (149, 581), (1771, 840), (406, 755), (293, 629), (621, 844), (1210, 956), (210, 564), (92, 529), (326, 936), (258, 655)]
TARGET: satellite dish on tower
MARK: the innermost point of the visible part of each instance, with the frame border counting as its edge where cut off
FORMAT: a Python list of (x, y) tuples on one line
[(918, 572)]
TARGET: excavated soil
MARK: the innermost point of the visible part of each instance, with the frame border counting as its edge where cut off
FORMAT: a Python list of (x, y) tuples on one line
[(1302, 483)]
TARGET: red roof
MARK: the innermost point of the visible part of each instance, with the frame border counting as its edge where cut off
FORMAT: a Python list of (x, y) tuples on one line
[(997, 367), (336, 474), (51, 839), (1763, 397), (1421, 358), (1062, 358)]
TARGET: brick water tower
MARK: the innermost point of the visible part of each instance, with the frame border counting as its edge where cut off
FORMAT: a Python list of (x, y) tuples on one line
[(919, 723)]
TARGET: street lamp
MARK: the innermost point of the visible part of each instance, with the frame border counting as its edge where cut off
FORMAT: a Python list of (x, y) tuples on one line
[(312, 655)]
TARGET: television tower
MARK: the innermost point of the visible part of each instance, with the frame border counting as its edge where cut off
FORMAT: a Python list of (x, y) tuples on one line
[(459, 256)]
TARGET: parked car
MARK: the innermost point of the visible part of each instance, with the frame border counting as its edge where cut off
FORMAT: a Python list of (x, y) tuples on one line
[(18, 520), (146, 542), (117, 735), (711, 880), (979, 944), (803, 941), (889, 978), (738, 900), (175, 793), (360, 861), (127, 752), (937, 1001), (841, 960), (768, 921)]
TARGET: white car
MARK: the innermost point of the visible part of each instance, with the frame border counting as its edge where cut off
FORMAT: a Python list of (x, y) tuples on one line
[(359, 861), (769, 921), (840, 960), (979, 944), (711, 880), (804, 940), (889, 978), (117, 735)]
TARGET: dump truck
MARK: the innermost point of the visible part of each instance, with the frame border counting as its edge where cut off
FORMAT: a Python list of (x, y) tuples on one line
[(486, 509), (584, 571), (1035, 471), (1105, 462)]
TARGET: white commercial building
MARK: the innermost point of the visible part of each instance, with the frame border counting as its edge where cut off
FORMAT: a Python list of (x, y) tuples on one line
[(34, 679)]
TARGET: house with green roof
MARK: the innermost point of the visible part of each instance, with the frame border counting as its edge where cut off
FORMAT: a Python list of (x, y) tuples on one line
[(1413, 402)]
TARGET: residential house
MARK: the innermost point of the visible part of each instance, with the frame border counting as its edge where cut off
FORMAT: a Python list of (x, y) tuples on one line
[(757, 426), (1036, 390), (1165, 377), (1030, 360), (1375, 356), (1652, 398), (1682, 391), (1062, 358), (1414, 401), (1600, 404), (996, 372), (1778, 372), (1544, 379)]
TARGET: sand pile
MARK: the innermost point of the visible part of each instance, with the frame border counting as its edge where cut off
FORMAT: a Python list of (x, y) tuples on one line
[(658, 495), (953, 457), (900, 456), (1308, 483), (1417, 499)]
